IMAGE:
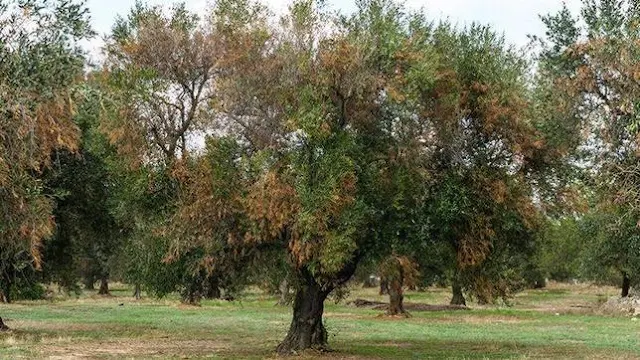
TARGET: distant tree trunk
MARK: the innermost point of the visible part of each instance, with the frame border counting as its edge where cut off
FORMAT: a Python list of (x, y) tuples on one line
[(193, 292), (89, 281), (137, 293), (396, 305), (5, 287), (384, 286), (104, 286), (213, 288), (306, 330), (285, 299), (458, 296), (3, 327), (626, 285)]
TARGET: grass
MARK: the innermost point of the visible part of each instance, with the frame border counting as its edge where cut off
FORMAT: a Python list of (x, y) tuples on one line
[(557, 322)]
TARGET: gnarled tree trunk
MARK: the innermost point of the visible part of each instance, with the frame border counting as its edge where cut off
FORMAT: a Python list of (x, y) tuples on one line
[(626, 285), (396, 297), (306, 330), (104, 286)]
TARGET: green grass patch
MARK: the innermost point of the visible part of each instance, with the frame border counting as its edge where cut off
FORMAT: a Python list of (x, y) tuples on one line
[(541, 324)]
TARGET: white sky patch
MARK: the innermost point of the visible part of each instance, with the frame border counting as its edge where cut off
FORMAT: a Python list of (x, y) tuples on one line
[(515, 18)]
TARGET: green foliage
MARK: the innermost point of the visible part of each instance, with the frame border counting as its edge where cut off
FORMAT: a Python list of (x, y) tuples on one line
[(590, 64), (87, 238), (563, 242), (480, 202), (27, 288), (613, 245), (40, 65)]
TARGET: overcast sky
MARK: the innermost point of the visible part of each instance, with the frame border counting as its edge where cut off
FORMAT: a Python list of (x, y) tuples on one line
[(516, 18)]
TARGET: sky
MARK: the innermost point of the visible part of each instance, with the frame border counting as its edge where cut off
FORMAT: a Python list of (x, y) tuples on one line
[(515, 18)]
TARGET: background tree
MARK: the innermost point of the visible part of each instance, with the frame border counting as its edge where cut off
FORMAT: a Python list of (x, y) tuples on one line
[(87, 238), (40, 64), (159, 70), (162, 66), (398, 44), (562, 245), (484, 144), (593, 60), (611, 246)]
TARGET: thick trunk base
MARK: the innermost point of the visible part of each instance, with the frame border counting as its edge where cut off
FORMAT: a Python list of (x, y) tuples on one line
[(306, 330), (626, 285), (396, 298)]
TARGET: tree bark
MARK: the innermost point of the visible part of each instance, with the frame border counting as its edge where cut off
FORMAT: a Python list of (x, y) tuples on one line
[(137, 293), (626, 285), (396, 297), (306, 330), (458, 296), (104, 286)]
